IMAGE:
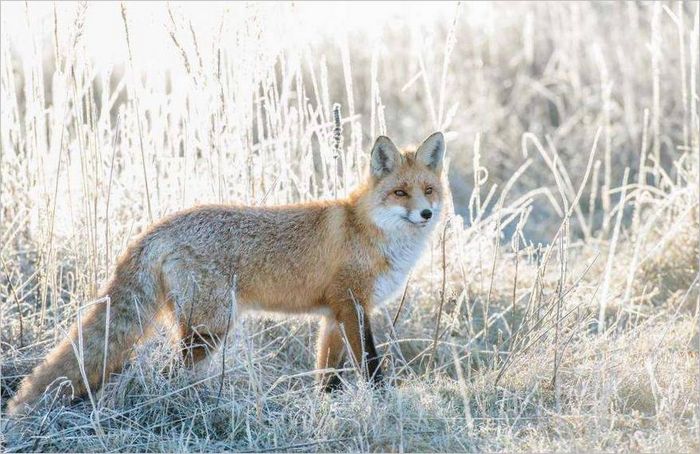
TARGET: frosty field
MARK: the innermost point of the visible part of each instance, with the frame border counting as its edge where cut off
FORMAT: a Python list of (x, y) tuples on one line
[(557, 308)]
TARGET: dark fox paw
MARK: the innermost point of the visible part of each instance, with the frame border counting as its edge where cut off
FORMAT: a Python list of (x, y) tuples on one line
[(378, 382), (331, 383)]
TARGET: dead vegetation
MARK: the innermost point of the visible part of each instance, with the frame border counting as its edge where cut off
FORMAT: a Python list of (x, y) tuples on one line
[(556, 310)]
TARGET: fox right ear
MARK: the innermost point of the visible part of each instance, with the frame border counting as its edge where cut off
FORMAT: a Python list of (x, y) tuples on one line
[(385, 157)]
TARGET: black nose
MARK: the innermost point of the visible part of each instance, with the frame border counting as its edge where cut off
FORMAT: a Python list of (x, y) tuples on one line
[(426, 214)]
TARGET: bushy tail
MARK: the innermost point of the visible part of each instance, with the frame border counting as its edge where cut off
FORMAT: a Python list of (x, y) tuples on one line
[(131, 307)]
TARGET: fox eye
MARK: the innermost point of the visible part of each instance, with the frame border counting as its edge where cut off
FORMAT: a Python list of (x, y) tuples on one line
[(400, 193), (428, 190)]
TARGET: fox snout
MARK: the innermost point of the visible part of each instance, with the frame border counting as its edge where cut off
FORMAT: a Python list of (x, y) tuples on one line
[(406, 214), (422, 214)]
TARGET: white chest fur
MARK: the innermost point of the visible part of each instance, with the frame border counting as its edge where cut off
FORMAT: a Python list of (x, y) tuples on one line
[(401, 253)]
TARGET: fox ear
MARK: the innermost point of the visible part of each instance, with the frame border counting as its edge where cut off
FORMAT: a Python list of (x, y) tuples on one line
[(431, 151), (385, 157)]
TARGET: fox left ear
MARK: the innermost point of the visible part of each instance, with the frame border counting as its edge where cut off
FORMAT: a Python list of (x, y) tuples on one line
[(431, 151), (385, 157)]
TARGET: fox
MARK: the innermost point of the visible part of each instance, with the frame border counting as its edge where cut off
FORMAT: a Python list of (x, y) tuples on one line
[(336, 259)]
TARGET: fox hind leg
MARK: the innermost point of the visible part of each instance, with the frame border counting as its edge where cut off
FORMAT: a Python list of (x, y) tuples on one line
[(204, 324), (198, 343), (204, 306)]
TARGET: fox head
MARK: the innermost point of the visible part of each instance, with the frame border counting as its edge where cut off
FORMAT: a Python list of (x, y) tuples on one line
[(406, 188)]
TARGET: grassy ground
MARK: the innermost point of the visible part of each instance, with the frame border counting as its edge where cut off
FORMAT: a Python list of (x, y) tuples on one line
[(557, 308)]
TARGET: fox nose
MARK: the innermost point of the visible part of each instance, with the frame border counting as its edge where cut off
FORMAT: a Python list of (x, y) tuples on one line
[(426, 214)]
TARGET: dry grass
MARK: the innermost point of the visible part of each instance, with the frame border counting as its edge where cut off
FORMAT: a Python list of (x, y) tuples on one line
[(565, 285)]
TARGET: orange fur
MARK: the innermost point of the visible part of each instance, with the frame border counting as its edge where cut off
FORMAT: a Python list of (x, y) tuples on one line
[(321, 258)]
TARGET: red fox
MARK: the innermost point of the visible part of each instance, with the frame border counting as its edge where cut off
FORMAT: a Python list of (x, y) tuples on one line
[(326, 258)]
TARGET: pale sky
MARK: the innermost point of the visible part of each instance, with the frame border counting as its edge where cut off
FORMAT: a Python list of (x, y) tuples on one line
[(149, 23)]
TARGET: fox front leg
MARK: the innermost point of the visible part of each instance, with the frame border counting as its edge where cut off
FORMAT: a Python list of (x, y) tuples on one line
[(330, 354), (374, 369), (358, 331)]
